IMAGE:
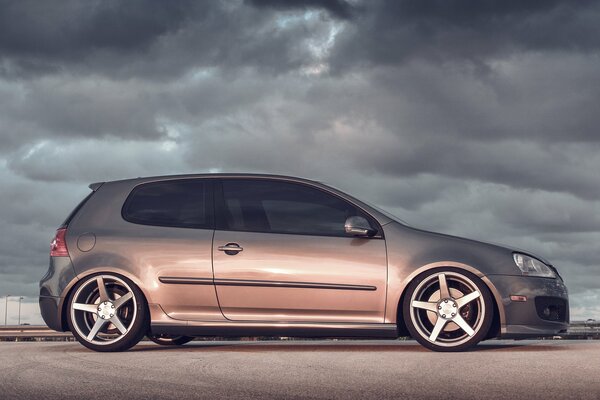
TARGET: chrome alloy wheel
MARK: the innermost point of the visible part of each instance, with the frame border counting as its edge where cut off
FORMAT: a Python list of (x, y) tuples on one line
[(448, 311), (103, 310)]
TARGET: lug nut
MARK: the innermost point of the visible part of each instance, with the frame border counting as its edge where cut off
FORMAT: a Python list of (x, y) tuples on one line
[(445, 301), (443, 315), (453, 314), (454, 305), (113, 306), (439, 308)]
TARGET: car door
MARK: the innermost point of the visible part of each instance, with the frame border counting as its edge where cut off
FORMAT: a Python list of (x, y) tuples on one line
[(280, 253), (168, 232)]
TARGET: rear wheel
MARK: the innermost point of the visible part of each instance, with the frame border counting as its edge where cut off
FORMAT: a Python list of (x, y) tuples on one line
[(448, 309), (107, 313), (170, 340)]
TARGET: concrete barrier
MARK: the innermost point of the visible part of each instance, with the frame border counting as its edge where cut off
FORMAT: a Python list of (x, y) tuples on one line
[(30, 331)]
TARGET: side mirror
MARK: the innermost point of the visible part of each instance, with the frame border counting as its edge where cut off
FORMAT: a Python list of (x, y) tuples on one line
[(359, 226)]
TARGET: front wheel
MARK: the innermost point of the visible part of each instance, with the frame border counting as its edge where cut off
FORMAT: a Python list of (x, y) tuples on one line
[(448, 309), (170, 340), (107, 313)]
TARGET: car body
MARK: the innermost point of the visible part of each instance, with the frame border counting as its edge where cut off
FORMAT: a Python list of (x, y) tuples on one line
[(177, 257)]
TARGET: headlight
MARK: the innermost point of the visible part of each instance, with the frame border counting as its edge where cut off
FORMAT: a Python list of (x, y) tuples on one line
[(532, 266)]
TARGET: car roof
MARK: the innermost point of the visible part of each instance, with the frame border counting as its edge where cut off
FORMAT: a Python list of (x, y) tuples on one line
[(141, 179)]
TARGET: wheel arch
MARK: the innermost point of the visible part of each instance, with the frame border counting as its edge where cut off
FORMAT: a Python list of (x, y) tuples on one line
[(69, 289), (499, 313)]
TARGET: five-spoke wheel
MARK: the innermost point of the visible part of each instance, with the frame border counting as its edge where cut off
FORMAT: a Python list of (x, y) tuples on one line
[(448, 310), (107, 313)]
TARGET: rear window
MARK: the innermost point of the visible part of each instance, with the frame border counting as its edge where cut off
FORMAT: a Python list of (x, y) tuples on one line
[(178, 203)]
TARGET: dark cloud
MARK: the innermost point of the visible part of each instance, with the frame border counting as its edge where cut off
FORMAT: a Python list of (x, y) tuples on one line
[(394, 31), (72, 28), (516, 163), (154, 39), (40, 37), (338, 8), (473, 118)]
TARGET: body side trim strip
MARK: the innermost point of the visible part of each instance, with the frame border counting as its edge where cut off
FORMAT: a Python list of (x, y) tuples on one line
[(260, 283), (305, 285), (186, 281)]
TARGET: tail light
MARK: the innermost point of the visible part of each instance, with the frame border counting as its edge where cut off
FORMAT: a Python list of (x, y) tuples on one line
[(58, 247)]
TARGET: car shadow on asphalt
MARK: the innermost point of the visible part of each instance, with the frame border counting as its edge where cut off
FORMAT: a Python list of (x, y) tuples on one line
[(398, 347), (519, 347), (260, 347), (404, 346)]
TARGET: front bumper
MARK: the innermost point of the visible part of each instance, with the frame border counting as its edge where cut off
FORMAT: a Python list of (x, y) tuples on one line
[(544, 313)]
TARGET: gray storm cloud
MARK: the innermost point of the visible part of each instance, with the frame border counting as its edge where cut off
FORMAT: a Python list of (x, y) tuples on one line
[(476, 118)]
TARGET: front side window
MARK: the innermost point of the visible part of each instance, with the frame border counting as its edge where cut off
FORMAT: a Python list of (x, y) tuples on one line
[(177, 203), (284, 207)]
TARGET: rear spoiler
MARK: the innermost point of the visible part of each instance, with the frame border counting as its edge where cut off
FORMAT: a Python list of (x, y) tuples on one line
[(95, 186)]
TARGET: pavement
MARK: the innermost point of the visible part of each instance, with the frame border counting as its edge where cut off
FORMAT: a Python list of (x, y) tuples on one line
[(302, 370)]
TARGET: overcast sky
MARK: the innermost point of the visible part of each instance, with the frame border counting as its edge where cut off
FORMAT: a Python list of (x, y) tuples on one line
[(477, 118)]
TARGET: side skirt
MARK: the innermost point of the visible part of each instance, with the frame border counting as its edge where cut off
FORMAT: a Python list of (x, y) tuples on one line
[(307, 330)]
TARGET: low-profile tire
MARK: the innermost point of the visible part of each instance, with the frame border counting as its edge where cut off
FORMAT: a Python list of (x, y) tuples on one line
[(448, 309), (107, 312), (170, 340)]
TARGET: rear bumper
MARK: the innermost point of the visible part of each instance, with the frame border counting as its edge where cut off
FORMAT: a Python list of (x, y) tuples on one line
[(544, 313), (49, 307), (53, 291)]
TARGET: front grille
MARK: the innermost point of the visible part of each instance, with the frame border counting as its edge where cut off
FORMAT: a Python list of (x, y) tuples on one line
[(552, 308)]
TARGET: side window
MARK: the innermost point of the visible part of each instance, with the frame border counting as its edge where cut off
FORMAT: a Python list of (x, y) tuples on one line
[(177, 203), (284, 207)]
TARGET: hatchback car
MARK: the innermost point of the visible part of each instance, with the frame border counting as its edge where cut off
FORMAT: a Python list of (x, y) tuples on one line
[(234, 255)]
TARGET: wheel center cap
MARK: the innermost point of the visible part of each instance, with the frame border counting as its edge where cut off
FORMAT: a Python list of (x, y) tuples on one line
[(106, 310), (447, 308)]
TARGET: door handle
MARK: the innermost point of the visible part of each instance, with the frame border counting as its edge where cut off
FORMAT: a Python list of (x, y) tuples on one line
[(230, 249)]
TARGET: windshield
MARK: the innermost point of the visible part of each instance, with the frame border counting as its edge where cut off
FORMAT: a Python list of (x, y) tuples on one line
[(379, 209), (386, 213)]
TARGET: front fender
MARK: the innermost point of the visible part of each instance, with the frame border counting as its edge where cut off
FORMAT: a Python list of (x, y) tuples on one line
[(412, 252)]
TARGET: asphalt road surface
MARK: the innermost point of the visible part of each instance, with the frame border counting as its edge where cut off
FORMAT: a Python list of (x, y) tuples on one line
[(302, 370)]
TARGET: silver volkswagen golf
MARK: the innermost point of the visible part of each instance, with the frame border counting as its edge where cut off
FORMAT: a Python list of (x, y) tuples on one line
[(179, 257)]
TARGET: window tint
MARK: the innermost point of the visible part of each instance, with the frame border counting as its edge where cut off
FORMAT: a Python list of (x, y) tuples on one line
[(283, 207), (181, 203)]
